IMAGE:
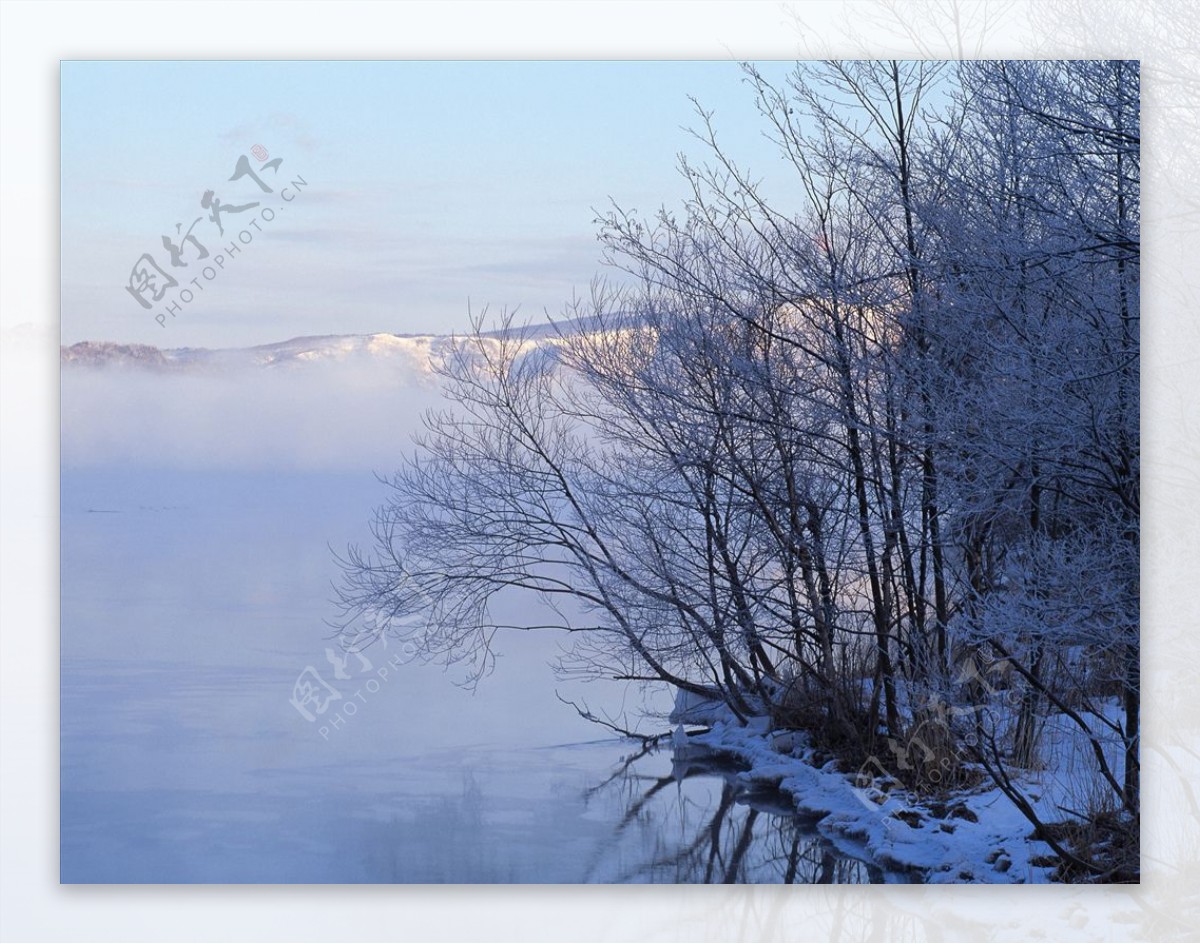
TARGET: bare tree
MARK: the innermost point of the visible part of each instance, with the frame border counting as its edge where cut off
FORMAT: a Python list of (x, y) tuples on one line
[(893, 427)]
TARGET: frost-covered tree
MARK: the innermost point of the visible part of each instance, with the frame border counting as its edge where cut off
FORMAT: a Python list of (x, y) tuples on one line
[(825, 452)]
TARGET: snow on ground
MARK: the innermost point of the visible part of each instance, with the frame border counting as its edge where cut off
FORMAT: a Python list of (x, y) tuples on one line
[(980, 836)]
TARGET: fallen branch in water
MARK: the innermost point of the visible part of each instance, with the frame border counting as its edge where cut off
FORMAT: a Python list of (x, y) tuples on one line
[(648, 740)]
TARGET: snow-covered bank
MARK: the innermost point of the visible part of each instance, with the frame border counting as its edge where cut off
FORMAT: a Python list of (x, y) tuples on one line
[(975, 836)]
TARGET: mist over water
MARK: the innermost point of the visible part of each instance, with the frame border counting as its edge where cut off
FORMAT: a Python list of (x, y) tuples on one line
[(352, 415)]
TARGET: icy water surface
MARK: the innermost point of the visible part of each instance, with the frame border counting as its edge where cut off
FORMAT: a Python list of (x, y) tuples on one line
[(193, 603)]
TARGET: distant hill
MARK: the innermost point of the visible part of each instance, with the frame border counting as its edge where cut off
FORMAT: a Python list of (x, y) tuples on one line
[(297, 351), (416, 351)]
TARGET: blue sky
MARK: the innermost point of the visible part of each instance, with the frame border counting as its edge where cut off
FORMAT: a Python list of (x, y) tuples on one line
[(429, 184)]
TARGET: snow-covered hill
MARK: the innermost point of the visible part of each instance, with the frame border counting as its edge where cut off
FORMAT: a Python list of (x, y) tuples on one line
[(416, 351), (413, 351)]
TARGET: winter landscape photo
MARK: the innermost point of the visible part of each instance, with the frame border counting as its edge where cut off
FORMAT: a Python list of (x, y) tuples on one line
[(600, 472)]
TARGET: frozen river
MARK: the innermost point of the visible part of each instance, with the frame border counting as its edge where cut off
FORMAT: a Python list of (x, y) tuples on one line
[(192, 603)]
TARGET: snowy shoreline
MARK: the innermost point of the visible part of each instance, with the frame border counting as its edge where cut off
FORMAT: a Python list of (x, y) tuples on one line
[(969, 836)]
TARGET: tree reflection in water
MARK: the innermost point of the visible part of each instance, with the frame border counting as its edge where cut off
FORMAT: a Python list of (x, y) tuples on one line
[(690, 820)]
